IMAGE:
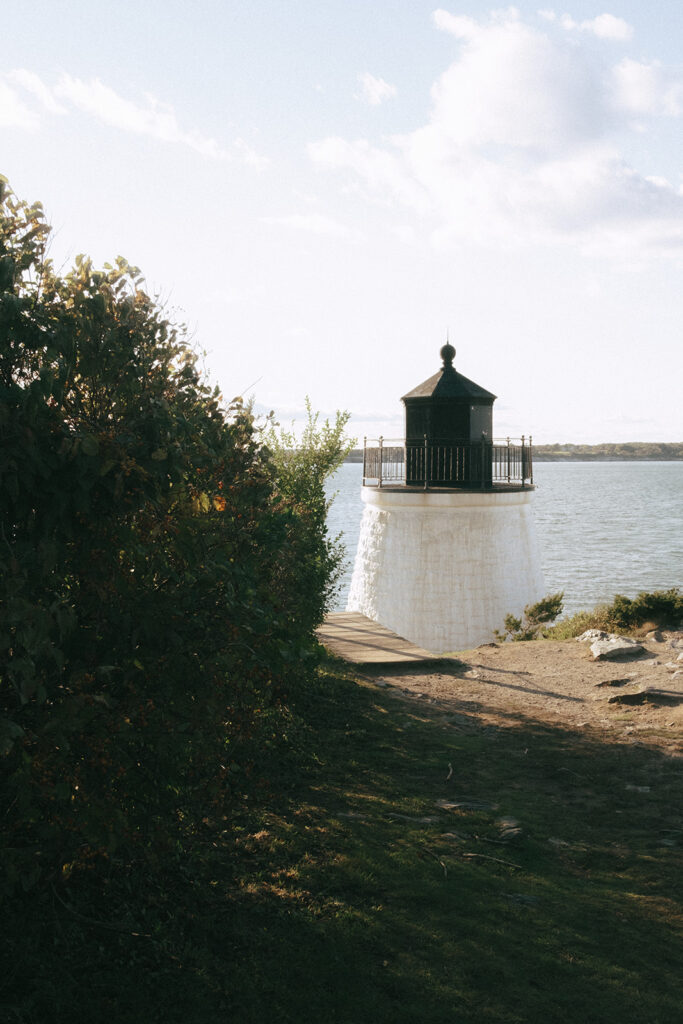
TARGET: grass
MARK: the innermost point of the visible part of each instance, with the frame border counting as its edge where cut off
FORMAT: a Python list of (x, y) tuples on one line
[(378, 877)]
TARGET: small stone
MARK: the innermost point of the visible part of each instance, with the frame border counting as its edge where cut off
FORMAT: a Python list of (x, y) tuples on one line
[(592, 634), (616, 682), (654, 635)]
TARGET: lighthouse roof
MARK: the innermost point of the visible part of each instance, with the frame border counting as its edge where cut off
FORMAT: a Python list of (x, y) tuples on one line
[(448, 383)]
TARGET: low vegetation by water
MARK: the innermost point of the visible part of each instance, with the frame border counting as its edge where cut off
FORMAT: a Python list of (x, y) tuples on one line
[(622, 615)]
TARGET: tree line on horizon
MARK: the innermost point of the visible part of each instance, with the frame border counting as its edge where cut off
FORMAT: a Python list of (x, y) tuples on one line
[(652, 451)]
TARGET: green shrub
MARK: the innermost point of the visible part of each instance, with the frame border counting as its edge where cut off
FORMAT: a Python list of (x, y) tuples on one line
[(575, 625), (158, 586), (535, 617), (662, 608), (302, 466)]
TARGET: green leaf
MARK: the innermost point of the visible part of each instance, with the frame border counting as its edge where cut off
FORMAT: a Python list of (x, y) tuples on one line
[(90, 445)]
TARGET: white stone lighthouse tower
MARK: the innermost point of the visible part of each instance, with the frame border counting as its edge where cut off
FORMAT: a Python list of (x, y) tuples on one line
[(447, 544)]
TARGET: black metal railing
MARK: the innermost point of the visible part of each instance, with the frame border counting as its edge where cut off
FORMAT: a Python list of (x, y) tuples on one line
[(432, 463)]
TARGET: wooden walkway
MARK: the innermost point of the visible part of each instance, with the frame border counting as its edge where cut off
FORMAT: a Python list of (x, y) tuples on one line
[(358, 639)]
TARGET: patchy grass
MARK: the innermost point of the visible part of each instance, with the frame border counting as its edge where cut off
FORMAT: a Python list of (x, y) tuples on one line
[(404, 865)]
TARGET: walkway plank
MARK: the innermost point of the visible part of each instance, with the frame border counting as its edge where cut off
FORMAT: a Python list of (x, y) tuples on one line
[(358, 639)]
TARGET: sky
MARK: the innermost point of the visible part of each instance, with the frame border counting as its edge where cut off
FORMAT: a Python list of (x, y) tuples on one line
[(325, 191)]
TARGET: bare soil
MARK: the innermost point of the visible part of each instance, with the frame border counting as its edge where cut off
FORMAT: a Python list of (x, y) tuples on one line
[(558, 683)]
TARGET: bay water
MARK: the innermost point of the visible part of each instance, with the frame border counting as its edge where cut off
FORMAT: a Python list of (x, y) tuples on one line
[(604, 528)]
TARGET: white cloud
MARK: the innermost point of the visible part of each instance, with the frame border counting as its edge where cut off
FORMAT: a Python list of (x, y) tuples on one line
[(382, 170), (13, 111), (523, 141), (647, 88), (605, 26), (375, 90), (249, 155), (151, 118), (36, 87), (317, 224)]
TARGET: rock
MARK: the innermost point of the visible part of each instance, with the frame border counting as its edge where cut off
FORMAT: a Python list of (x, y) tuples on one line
[(616, 682), (592, 634), (615, 647), (655, 635), (680, 657)]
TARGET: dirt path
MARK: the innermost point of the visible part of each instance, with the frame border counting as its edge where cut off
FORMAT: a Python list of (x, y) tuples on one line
[(559, 683)]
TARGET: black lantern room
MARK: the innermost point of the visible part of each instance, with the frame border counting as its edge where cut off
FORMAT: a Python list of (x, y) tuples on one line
[(448, 429)]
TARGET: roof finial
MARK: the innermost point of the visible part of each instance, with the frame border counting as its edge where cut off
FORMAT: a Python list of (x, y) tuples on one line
[(447, 354)]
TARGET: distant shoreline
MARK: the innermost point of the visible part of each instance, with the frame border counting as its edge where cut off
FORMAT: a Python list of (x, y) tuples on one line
[(630, 451)]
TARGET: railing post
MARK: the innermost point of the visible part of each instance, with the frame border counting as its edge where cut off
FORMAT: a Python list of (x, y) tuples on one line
[(508, 441), (523, 476), (365, 459), (483, 460), (426, 456), (531, 463), (381, 464)]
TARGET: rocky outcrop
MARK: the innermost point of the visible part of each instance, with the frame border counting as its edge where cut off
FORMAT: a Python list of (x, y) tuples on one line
[(609, 646)]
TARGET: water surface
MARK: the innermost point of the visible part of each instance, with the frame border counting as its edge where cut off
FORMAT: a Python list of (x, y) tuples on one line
[(603, 527)]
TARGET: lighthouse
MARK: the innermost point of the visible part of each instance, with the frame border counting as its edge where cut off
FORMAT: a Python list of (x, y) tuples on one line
[(447, 544)]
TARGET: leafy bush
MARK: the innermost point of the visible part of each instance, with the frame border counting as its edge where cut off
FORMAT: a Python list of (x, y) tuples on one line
[(535, 618), (158, 586), (302, 466), (657, 608)]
